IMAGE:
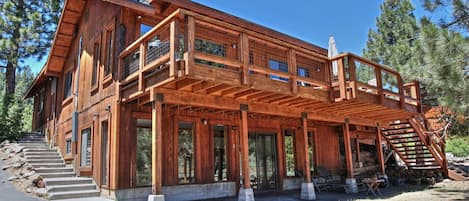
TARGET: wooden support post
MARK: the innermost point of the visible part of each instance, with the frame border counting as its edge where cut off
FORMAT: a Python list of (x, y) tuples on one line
[(379, 84), (114, 146), (341, 78), (141, 62), (304, 121), (190, 38), (156, 148), (348, 149), (244, 146), (401, 90), (379, 149), (244, 51), (173, 47), (357, 145), (292, 69)]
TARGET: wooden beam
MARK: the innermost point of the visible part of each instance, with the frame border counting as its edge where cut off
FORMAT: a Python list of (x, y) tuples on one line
[(156, 148), (304, 129), (141, 8), (379, 149), (348, 150), (244, 147)]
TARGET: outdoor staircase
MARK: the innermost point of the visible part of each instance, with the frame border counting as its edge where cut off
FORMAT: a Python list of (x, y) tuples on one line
[(415, 146), (60, 179)]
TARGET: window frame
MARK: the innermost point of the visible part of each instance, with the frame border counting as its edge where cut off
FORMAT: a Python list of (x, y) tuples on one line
[(67, 93), (108, 63), (96, 64), (86, 166), (68, 146), (295, 164), (194, 147), (279, 69)]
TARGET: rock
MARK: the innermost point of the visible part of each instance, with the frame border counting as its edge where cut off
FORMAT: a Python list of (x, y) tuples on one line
[(28, 190), (18, 150), (28, 174), (40, 192), (17, 165), (5, 167), (12, 178)]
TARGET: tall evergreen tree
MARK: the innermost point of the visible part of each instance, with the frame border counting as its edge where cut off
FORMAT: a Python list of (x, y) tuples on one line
[(393, 42), (459, 17), (26, 30)]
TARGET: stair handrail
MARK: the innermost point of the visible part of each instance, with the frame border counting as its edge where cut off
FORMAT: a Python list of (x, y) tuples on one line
[(435, 151)]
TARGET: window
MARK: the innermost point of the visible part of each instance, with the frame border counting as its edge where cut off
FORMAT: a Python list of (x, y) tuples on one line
[(68, 84), (290, 152), (144, 28), (85, 160), (94, 76), (144, 152), (104, 152), (278, 66), (303, 72), (186, 156), (68, 146), (219, 150), (212, 48), (41, 100), (109, 51)]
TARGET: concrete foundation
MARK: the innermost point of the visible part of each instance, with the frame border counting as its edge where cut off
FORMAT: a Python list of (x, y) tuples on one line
[(155, 197), (292, 183), (179, 192), (246, 194), (307, 191), (351, 185)]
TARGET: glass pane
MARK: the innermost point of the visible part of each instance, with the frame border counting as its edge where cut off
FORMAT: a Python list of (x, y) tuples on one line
[(365, 73), (278, 66), (186, 157), (104, 152), (85, 160), (144, 28), (219, 145), (389, 82), (143, 156), (289, 153)]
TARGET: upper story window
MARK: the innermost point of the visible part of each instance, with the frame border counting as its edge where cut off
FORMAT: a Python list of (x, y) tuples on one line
[(68, 84), (144, 28), (303, 72), (212, 48), (109, 53), (96, 54), (278, 66), (146, 2)]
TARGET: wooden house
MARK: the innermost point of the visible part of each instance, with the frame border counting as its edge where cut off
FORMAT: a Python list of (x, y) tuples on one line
[(177, 99)]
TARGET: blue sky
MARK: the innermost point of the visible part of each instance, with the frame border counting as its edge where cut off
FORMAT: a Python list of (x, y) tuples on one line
[(310, 20)]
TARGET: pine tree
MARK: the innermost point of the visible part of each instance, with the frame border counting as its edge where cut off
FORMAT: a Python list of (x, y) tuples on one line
[(26, 30), (392, 43), (459, 18)]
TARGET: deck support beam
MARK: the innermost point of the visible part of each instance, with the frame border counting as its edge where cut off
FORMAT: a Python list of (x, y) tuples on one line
[(379, 149), (156, 148), (307, 187), (350, 182), (245, 192)]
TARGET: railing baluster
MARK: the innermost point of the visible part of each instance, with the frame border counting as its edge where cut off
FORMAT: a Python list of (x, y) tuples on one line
[(401, 90), (379, 84), (141, 64)]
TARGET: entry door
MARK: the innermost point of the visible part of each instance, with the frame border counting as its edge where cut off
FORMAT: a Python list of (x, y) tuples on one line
[(263, 161), (104, 153)]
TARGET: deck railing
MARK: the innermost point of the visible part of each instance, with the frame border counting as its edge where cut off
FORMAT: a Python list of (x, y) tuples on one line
[(219, 51), (355, 75)]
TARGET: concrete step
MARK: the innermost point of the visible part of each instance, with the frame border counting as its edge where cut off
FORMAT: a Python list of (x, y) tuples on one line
[(67, 181), (57, 174), (53, 170), (43, 157), (75, 187), (33, 143), (73, 194), (31, 140), (41, 154), (33, 161), (47, 165), (40, 150)]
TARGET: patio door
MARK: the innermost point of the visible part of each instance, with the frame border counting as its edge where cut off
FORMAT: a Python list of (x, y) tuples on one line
[(263, 161)]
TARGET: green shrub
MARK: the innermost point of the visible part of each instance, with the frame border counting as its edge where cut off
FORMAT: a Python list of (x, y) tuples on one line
[(458, 146)]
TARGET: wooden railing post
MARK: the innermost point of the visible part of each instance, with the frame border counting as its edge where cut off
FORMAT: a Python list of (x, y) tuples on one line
[(400, 84), (244, 51), (141, 64), (353, 76), (341, 78), (418, 96), (292, 68), (190, 40), (379, 84), (173, 46)]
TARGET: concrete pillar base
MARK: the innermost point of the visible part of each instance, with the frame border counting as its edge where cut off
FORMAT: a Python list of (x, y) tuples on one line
[(246, 194), (351, 185), (307, 191), (155, 197)]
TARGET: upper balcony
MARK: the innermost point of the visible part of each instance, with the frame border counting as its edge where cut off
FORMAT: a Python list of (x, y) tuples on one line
[(194, 53)]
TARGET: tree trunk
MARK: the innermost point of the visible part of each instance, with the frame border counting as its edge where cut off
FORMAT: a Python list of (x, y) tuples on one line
[(10, 79), (10, 74)]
